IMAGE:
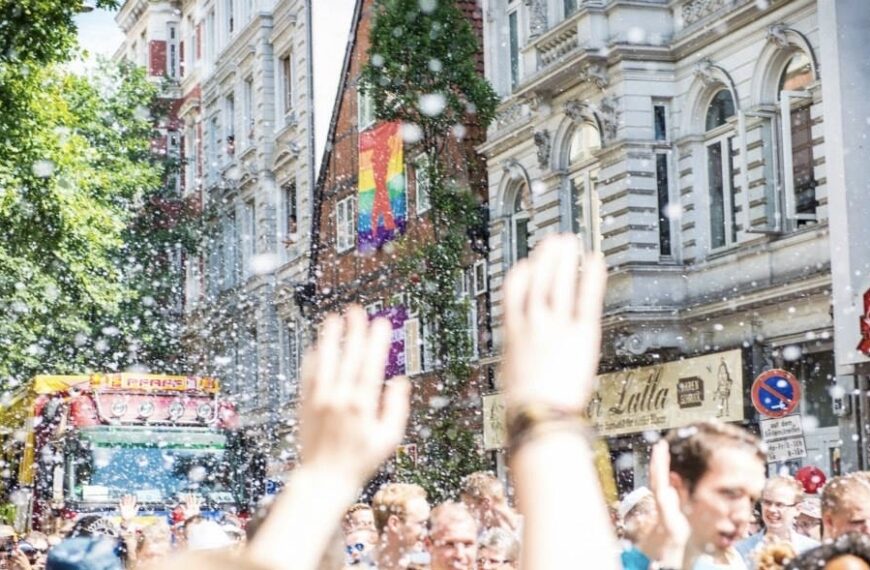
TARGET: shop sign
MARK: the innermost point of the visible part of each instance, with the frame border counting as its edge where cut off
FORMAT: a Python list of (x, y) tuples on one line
[(669, 395), (786, 449), (659, 397)]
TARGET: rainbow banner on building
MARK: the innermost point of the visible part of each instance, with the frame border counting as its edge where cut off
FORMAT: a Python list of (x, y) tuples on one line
[(382, 199)]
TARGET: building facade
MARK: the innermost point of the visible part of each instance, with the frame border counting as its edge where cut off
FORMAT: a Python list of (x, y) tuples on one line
[(686, 141), (354, 265), (242, 73)]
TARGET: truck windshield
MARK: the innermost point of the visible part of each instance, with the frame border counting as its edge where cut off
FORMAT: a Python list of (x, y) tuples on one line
[(155, 471)]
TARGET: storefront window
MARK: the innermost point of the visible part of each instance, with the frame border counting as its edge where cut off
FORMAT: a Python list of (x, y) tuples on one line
[(816, 373)]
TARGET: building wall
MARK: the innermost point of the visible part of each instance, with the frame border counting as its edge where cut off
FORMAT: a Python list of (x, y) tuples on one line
[(607, 66), (241, 151), (373, 278)]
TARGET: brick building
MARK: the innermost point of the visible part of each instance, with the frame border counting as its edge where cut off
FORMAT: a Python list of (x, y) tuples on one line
[(345, 271)]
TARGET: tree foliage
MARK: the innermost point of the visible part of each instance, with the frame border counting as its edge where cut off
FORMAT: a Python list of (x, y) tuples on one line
[(78, 182), (423, 71)]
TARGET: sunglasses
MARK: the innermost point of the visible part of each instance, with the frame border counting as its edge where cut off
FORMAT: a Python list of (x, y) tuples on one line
[(358, 547)]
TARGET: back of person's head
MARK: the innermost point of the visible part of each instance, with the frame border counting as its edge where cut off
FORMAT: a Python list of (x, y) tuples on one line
[(153, 540), (393, 499), (634, 510), (86, 553), (847, 552), (483, 485), (840, 490), (691, 447)]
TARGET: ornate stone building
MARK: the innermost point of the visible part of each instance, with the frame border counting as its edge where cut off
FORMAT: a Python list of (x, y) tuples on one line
[(688, 141), (242, 73)]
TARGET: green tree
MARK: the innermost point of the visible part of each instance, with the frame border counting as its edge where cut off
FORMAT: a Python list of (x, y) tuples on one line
[(78, 179), (423, 70)]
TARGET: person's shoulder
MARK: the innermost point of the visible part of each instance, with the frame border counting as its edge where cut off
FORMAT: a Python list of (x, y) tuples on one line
[(749, 543), (633, 559)]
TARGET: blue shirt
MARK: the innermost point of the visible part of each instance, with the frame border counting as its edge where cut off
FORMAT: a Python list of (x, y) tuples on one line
[(634, 559)]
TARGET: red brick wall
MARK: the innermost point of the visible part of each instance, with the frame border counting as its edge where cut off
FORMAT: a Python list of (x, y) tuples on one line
[(157, 57)]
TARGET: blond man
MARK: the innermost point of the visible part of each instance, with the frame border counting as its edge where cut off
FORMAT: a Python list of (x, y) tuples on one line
[(779, 510), (453, 540), (484, 496), (401, 514), (846, 505)]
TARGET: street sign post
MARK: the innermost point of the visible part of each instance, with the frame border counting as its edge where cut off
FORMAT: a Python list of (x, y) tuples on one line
[(776, 393), (784, 438)]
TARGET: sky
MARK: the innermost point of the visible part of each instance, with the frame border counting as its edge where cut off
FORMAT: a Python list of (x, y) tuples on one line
[(100, 35)]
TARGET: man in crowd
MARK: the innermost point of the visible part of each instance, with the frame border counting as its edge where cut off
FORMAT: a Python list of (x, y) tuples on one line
[(706, 478), (779, 509), (484, 495), (453, 537), (846, 505), (358, 517), (809, 519), (401, 517)]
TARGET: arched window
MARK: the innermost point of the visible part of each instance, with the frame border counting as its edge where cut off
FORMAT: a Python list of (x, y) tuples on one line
[(721, 109), (519, 227), (797, 139), (721, 151), (585, 205)]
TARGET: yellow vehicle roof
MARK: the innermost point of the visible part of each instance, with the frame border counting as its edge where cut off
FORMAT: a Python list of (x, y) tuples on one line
[(52, 384)]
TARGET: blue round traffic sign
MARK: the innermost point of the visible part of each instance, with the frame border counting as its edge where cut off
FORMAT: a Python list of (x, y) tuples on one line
[(776, 393)]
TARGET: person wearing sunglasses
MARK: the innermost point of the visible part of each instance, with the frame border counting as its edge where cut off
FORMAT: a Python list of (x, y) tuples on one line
[(779, 502), (359, 545)]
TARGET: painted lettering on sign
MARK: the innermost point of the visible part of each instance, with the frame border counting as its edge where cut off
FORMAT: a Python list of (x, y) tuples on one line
[(690, 392), (641, 392)]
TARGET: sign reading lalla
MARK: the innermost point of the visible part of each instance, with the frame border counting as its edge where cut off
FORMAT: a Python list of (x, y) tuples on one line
[(659, 397), (669, 395)]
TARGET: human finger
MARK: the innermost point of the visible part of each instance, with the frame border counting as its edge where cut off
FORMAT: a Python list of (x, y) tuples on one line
[(328, 355), (356, 324), (395, 410), (545, 261), (372, 369), (515, 289), (564, 285)]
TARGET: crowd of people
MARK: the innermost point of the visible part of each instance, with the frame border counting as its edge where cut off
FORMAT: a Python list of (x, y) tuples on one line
[(706, 480)]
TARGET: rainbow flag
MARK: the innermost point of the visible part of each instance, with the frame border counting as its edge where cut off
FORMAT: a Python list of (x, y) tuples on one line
[(382, 200)]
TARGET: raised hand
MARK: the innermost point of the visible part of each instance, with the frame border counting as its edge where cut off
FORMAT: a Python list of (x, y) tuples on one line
[(350, 420), (667, 543), (553, 325), (128, 508), (191, 505)]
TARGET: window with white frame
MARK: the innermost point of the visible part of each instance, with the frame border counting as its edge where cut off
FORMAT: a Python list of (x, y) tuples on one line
[(519, 227), (797, 140), (210, 39), (465, 294), (212, 151), (290, 340), (289, 217), (230, 125), (287, 83), (569, 7), (422, 185), (514, 43), (230, 251), (365, 110), (720, 145), (248, 110), (585, 206), (173, 53), (248, 236), (345, 224)]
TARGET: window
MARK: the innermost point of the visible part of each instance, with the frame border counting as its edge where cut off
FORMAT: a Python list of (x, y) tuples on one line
[(519, 228), (514, 46), (230, 17), (421, 173), (210, 47), (212, 152), (663, 191), (230, 251), (660, 122), (480, 277), (720, 155), (287, 82), (797, 138), (230, 125), (290, 341), (585, 207), (288, 201), (345, 226), (248, 108), (465, 293), (569, 6), (365, 110), (248, 236), (174, 53), (413, 347)]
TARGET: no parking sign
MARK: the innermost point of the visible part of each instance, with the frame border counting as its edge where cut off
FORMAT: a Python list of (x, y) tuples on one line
[(776, 393)]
